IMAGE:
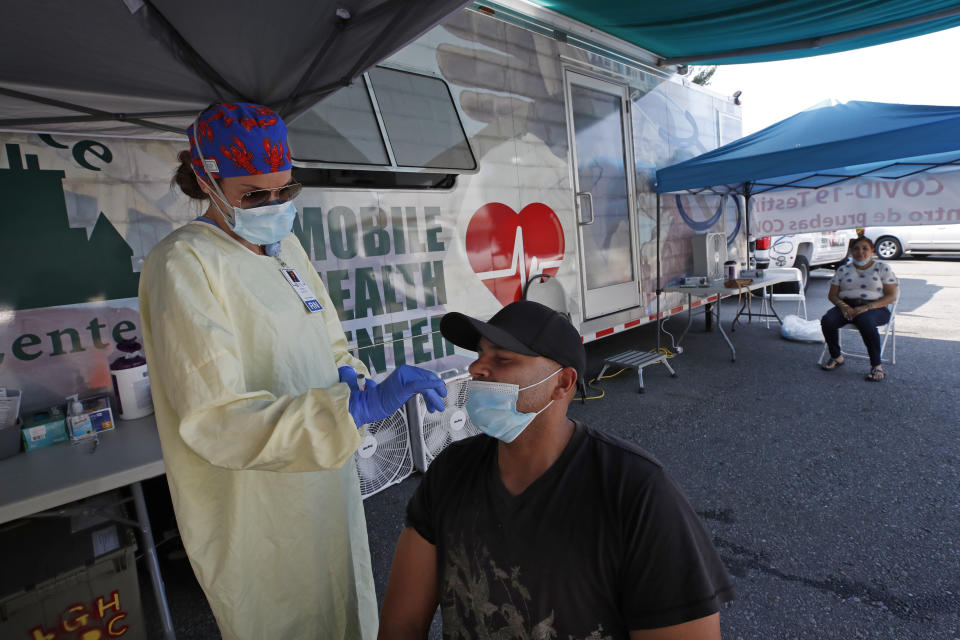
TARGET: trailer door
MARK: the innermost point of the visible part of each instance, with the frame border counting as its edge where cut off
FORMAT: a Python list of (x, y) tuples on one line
[(603, 186)]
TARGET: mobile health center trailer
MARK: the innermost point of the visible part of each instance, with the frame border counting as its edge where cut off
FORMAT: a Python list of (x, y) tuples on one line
[(507, 142), (491, 149)]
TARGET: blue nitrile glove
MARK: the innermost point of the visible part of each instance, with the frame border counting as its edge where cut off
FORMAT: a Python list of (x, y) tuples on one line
[(376, 402)]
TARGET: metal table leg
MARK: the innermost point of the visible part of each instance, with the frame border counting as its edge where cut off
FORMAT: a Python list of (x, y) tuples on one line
[(689, 319), (733, 352), (153, 564), (746, 304), (736, 318)]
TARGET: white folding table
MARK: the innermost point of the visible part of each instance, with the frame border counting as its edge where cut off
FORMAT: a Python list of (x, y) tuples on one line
[(718, 291), (51, 477)]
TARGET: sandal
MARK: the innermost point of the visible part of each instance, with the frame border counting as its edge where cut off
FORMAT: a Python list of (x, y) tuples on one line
[(832, 364), (876, 375)]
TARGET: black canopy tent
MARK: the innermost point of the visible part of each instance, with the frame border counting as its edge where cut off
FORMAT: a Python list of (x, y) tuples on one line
[(145, 67)]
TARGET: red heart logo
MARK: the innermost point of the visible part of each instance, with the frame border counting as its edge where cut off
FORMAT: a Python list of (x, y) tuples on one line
[(505, 248)]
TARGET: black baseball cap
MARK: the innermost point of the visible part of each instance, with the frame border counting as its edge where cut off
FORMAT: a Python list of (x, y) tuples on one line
[(524, 327)]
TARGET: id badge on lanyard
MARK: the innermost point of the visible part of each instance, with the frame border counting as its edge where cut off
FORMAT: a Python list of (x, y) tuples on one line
[(301, 289)]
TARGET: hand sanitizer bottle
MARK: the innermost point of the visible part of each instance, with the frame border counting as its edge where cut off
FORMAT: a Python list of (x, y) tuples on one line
[(79, 426)]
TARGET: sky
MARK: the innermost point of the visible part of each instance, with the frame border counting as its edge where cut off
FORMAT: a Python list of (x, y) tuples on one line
[(915, 71)]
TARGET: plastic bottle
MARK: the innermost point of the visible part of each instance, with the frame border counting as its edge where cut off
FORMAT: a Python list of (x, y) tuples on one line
[(79, 426), (730, 269), (131, 384)]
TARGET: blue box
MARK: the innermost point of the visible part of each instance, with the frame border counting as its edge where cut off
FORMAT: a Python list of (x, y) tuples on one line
[(43, 428)]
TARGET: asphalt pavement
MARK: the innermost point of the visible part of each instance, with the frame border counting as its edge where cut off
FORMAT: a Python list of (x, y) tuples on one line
[(834, 502)]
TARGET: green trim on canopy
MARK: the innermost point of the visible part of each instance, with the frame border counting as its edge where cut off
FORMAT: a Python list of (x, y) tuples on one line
[(741, 31)]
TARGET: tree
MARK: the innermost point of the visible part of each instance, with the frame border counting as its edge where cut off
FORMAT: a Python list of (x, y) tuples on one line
[(703, 75)]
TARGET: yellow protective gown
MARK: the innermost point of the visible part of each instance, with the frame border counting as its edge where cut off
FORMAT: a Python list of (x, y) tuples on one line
[(256, 437)]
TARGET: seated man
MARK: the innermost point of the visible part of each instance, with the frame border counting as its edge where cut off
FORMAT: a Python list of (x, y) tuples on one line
[(542, 527)]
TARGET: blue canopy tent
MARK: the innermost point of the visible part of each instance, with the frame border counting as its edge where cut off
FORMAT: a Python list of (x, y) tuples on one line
[(819, 146), (822, 147)]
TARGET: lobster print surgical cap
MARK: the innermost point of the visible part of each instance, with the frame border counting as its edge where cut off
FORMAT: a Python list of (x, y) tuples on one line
[(238, 139)]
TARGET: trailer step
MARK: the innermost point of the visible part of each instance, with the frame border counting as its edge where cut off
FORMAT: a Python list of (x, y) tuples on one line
[(636, 360)]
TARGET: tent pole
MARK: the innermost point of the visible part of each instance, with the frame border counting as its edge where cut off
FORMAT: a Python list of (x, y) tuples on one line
[(746, 217), (659, 290), (126, 117), (97, 113)]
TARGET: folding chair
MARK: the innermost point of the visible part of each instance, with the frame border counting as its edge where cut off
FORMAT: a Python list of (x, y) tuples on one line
[(888, 333), (800, 298)]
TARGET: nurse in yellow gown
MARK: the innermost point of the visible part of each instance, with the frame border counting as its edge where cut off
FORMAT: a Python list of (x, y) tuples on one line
[(256, 399)]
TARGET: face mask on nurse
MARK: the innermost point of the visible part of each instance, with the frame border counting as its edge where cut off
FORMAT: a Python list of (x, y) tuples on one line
[(263, 225)]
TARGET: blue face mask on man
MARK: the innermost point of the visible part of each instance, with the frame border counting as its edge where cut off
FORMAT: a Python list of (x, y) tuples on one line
[(492, 407)]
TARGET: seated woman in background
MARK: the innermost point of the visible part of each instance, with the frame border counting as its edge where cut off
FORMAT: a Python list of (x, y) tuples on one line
[(860, 292)]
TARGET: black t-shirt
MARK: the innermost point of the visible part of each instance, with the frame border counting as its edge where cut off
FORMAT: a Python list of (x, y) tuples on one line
[(602, 543)]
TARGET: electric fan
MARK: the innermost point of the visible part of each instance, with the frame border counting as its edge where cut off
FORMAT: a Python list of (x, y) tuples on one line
[(709, 254), (431, 433), (383, 458)]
